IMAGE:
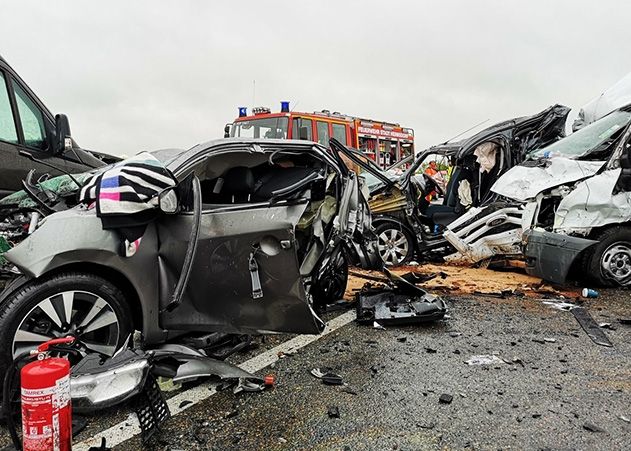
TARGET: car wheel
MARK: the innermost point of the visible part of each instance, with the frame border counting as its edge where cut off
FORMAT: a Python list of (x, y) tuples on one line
[(394, 243), (331, 284), (608, 263), (83, 305)]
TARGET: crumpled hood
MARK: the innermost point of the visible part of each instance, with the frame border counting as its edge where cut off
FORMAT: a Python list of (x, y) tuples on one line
[(525, 182)]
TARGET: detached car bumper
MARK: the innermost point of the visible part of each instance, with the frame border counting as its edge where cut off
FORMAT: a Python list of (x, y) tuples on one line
[(551, 255)]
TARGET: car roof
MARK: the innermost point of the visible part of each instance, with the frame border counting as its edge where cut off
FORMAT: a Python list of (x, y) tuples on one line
[(460, 148), (174, 158)]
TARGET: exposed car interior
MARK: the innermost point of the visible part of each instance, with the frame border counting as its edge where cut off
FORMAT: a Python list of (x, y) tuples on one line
[(479, 172), (246, 177)]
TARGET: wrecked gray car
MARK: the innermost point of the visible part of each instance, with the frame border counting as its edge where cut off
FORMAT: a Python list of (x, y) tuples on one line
[(252, 236)]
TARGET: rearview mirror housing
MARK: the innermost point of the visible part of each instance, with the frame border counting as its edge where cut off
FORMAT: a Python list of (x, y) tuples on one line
[(63, 138), (168, 202)]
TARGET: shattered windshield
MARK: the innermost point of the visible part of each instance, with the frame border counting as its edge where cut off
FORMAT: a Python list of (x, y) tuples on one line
[(593, 138), (269, 127)]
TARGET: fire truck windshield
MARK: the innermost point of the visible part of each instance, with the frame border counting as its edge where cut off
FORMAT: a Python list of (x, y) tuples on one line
[(265, 127)]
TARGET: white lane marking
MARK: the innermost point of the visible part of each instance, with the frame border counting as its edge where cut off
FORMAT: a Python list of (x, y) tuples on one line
[(129, 428)]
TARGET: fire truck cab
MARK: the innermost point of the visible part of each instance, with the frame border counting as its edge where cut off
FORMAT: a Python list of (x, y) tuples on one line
[(385, 143)]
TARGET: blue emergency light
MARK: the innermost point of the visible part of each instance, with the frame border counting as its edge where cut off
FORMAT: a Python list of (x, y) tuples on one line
[(284, 106), (243, 111)]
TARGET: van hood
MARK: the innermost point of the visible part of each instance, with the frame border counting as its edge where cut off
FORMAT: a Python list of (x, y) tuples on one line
[(525, 181)]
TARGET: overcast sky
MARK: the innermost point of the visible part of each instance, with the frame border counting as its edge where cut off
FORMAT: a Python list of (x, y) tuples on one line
[(142, 75)]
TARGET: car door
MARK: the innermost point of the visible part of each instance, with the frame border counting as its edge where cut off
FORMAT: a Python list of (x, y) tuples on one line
[(25, 126), (245, 277), (354, 215), (8, 141)]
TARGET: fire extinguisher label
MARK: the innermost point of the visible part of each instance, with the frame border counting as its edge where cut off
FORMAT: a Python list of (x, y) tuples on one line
[(61, 394)]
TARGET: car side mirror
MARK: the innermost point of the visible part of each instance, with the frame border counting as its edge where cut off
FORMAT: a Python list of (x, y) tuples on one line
[(63, 139), (168, 202), (303, 133), (226, 131)]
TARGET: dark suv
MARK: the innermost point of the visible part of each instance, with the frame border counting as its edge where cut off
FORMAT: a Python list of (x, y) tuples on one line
[(28, 129)]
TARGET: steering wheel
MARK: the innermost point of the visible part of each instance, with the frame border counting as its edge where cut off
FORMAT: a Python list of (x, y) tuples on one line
[(433, 185)]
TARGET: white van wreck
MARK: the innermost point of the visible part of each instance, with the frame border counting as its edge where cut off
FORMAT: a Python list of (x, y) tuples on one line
[(568, 206)]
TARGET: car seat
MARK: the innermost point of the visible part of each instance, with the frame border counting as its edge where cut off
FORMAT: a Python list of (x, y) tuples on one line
[(235, 186)]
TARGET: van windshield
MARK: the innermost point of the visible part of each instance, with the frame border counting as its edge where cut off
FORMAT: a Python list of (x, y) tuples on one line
[(594, 138), (269, 127)]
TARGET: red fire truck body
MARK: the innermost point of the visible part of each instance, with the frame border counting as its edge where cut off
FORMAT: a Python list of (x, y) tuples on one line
[(384, 142)]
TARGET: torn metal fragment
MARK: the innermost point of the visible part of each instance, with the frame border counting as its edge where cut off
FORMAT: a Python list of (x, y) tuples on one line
[(399, 302), (590, 327)]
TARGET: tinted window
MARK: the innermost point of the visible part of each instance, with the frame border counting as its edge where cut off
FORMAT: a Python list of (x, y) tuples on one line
[(323, 133), (31, 119), (339, 132), (7, 126), (299, 123)]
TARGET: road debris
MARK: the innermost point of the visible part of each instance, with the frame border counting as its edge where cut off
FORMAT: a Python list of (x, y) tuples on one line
[(461, 280), (592, 427), (333, 412), (484, 360), (376, 325), (445, 398), (590, 327), (589, 293), (249, 385), (269, 380), (398, 302), (327, 376), (560, 304), (349, 390)]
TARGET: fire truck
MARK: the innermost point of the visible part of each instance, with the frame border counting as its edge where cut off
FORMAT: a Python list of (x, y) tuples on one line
[(384, 142)]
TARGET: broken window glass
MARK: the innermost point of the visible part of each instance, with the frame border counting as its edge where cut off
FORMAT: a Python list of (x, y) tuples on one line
[(593, 138)]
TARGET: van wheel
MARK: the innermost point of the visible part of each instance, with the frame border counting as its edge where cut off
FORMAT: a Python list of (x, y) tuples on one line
[(86, 306), (608, 262), (395, 243)]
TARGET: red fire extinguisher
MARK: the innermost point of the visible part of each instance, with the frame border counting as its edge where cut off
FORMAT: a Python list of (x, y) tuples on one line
[(46, 408)]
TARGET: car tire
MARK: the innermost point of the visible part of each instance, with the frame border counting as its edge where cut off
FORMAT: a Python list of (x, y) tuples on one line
[(331, 285), (395, 243), (100, 317), (608, 262)]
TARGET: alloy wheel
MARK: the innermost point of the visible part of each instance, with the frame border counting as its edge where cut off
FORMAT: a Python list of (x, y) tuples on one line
[(84, 315), (616, 261), (393, 246)]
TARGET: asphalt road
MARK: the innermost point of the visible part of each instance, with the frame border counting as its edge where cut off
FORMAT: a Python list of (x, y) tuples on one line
[(547, 398), (549, 395)]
